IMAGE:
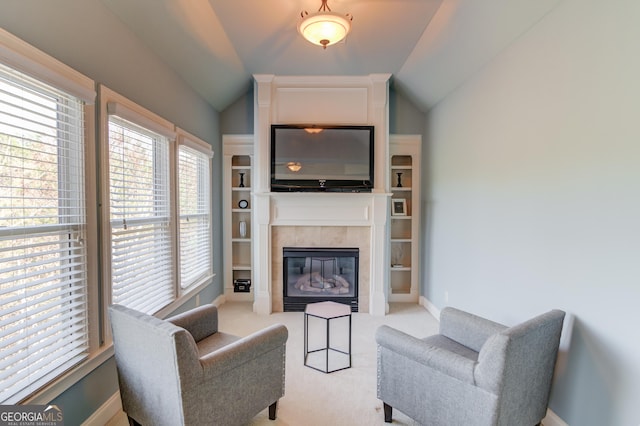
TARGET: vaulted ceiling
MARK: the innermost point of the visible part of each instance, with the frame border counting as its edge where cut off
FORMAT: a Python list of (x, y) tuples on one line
[(429, 46)]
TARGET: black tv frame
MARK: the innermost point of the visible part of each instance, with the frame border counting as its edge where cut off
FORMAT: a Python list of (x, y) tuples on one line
[(322, 185)]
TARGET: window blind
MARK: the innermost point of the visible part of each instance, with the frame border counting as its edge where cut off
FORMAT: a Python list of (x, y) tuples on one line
[(141, 256), (43, 273), (195, 215)]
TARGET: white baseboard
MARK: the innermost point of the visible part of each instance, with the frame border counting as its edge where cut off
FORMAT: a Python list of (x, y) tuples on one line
[(430, 307), (552, 419), (106, 412), (219, 301)]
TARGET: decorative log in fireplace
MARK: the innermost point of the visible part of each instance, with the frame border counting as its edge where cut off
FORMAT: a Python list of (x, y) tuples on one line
[(313, 274)]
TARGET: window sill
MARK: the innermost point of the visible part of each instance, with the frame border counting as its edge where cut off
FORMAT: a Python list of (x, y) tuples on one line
[(185, 295), (64, 382)]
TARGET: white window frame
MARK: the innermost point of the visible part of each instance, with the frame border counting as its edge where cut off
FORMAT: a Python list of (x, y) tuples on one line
[(114, 104), (187, 140), (111, 102), (28, 60)]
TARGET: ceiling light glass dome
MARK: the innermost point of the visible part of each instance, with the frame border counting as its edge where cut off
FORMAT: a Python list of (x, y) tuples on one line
[(324, 27)]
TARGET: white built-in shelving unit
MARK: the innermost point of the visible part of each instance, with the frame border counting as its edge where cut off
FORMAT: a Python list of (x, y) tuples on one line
[(404, 152), (237, 203)]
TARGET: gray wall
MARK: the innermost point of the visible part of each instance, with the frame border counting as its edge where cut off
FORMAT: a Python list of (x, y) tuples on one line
[(534, 198), (404, 117), (88, 37), (237, 118)]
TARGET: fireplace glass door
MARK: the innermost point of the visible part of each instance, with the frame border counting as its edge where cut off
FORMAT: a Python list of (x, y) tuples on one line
[(319, 274)]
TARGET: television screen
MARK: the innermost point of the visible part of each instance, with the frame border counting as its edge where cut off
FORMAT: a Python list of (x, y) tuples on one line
[(321, 157)]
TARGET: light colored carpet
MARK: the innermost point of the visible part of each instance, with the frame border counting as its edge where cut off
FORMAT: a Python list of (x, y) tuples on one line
[(341, 398), (313, 398)]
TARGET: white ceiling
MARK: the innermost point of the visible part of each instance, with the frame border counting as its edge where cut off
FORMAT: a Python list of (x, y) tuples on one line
[(430, 46)]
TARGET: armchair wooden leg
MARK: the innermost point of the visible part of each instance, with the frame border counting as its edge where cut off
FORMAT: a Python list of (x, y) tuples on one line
[(132, 421), (387, 412), (272, 410)]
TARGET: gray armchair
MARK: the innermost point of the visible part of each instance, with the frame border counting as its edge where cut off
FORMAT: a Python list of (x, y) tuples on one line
[(183, 371), (474, 372)]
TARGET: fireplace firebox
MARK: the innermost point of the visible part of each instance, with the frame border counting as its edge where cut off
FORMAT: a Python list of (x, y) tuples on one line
[(313, 274)]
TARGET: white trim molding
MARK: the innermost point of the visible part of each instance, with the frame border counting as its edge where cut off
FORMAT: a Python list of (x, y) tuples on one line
[(552, 419), (430, 307), (107, 411), (29, 60)]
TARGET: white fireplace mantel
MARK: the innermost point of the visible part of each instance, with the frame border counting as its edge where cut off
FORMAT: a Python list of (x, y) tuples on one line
[(324, 209), (357, 100)]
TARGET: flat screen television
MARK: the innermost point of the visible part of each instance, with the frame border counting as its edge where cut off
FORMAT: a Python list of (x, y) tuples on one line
[(322, 158)]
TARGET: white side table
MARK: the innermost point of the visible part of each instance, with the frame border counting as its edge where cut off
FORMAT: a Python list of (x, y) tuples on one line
[(327, 311)]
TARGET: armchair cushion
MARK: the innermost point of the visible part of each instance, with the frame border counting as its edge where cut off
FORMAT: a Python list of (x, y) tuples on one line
[(467, 329), (214, 342), (425, 353), (452, 346), (243, 350), (200, 322)]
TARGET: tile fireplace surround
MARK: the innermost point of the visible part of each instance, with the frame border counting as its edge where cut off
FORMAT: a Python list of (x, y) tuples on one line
[(322, 220), (320, 236)]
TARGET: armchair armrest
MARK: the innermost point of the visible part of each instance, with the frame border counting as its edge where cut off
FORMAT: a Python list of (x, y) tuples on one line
[(467, 329), (245, 349), (200, 322), (447, 362)]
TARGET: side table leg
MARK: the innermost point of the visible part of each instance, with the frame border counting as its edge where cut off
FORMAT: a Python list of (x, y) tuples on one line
[(306, 341), (349, 340), (328, 346)]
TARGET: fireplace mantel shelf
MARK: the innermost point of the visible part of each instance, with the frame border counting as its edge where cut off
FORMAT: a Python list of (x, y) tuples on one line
[(323, 209)]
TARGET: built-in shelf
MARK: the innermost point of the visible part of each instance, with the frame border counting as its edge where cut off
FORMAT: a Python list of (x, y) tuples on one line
[(404, 182), (242, 267), (237, 180)]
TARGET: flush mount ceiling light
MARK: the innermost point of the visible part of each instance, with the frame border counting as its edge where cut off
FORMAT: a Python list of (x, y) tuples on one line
[(294, 166), (324, 27)]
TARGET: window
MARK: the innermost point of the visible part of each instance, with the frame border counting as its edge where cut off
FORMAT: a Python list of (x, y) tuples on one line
[(142, 267), (194, 204), (43, 232), (156, 208)]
